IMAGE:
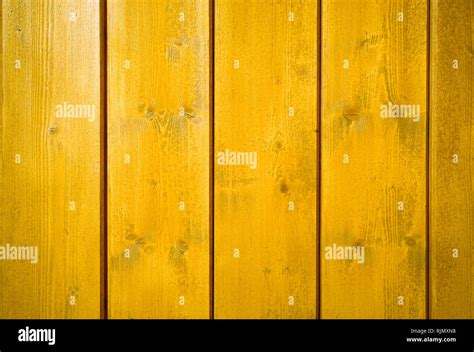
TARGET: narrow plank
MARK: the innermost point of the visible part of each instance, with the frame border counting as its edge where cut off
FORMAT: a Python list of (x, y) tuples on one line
[(452, 160), (50, 160), (265, 213), (373, 168), (158, 150)]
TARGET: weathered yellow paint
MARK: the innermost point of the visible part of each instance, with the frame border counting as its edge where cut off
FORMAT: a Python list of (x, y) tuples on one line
[(276, 71), (386, 158), (158, 134), (59, 159), (452, 160)]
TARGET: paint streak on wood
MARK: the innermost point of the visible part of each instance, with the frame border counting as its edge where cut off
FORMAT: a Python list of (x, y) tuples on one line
[(266, 102), (158, 133), (452, 159), (374, 168), (50, 161)]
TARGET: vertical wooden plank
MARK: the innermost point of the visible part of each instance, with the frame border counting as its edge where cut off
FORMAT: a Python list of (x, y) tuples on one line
[(452, 159), (158, 131), (373, 165), (265, 200), (51, 160)]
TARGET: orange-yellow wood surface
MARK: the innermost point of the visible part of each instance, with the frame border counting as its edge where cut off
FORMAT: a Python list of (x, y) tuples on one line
[(158, 165), (266, 102), (370, 164), (411, 211), (452, 159), (50, 165)]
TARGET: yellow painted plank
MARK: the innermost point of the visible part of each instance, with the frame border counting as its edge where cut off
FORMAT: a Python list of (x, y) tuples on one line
[(50, 159), (452, 159), (265, 205), (373, 166), (158, 137)]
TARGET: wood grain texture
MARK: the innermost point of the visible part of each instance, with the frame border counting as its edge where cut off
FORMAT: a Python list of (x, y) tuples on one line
[(49, 161), (277, 71), (158, 132), (386, 158), (452, 159)]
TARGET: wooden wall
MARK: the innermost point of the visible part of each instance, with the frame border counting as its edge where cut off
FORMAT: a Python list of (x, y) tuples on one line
[(158, 158), (452, 159), (373, 190), (51, 158), (265, 211), (232, 159)]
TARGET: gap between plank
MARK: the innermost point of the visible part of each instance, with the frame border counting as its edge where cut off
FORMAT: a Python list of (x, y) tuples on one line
[(318, 159), (103, 162), (211, 157), (428, 168)]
